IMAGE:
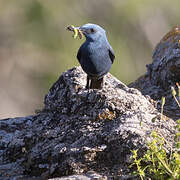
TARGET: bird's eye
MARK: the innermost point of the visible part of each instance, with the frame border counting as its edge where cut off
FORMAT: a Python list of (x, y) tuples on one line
[(92, 30)]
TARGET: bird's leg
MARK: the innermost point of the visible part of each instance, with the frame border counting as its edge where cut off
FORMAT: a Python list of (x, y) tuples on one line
[(87, 83), (103, 81), (88, 87), (97, 83)]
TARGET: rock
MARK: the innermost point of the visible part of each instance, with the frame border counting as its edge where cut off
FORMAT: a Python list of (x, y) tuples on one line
[(88, 176), (79, 131), (165, 69), (163, 73)]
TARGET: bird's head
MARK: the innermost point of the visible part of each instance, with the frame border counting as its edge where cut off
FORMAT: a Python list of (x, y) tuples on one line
[(93, 32)]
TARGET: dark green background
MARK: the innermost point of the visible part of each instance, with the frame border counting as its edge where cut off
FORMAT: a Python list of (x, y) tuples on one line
[(35, 48)]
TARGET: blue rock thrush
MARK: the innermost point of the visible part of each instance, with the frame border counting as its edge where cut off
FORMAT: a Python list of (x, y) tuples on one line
[(95, 55)]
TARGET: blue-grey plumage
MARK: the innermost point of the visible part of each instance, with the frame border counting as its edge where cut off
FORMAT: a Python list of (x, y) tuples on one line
[(95, 55)]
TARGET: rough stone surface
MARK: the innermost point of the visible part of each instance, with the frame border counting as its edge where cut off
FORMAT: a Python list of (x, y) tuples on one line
[(88, 176), (163, 73), (79, 131)]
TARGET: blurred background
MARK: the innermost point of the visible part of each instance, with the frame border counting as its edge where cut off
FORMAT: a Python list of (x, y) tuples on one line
[(35, 47)]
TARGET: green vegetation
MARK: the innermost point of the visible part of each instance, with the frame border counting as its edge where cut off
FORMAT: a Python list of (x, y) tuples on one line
[(158, 162)]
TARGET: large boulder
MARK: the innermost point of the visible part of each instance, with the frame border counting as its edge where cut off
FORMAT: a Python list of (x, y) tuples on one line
[(80, 130)]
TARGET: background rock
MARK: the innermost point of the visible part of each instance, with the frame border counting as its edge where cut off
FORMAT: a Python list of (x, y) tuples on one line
[(163, 73)]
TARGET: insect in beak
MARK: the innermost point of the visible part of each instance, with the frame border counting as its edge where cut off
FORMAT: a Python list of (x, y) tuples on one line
[(76, 30)]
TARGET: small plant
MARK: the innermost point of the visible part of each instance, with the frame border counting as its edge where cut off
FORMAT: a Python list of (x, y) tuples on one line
[(174, 93), (178, 89), (159, 164), (163, 100), (156, 163)]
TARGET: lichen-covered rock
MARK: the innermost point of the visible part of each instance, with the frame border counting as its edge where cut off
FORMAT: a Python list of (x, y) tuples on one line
[(163, 73), (165, 69), (80, 130)]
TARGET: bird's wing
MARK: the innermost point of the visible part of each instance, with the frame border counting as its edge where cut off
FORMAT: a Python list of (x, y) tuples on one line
[(111, 54), (79, 54)]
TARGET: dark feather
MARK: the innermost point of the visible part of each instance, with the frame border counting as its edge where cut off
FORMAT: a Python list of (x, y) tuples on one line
[(111, 54), (79, 55)]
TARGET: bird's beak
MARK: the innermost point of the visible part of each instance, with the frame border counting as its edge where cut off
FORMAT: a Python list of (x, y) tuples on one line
[(77, 31), (81, 29)]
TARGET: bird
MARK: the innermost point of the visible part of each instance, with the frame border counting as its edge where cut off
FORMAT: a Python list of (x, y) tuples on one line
[(95, 55)]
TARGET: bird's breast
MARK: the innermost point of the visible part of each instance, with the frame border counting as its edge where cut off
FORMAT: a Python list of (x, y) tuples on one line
[(95, 60)]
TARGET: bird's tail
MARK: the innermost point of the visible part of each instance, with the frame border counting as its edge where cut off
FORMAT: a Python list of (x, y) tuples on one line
[(96, 83)]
